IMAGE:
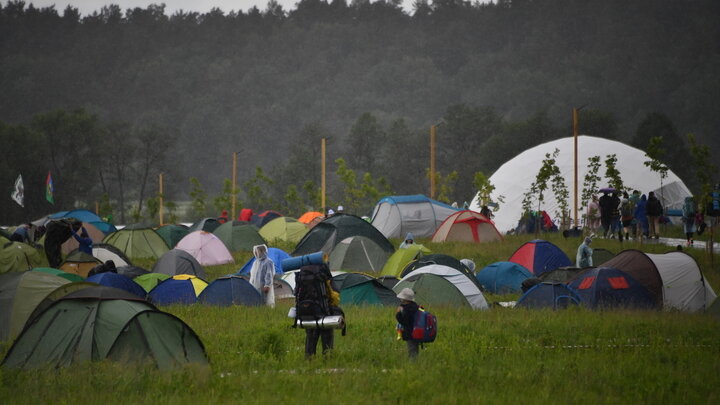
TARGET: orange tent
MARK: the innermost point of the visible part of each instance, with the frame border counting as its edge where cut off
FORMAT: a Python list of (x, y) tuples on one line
[(309, 216)]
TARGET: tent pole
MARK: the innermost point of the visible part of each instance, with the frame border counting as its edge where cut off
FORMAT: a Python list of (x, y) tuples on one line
[(234, 186)]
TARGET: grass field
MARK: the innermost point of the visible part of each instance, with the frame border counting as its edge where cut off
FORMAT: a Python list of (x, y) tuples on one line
[(496, 356)]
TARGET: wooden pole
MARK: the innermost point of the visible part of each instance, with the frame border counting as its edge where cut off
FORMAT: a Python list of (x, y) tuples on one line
[(575, 165), (322, 175), (433, 132), (97, 208), (160, 205), (234, 186)]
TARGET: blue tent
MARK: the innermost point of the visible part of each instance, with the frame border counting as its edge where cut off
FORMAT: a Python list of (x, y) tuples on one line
[(109, 279), (503, 277), (104, 227), (230, 290), (540, 256), (180, 289), (548, 295), (606, 287), (275, 254), (80, 215)]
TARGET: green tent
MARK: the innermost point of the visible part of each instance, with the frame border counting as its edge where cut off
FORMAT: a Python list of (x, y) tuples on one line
[(284, 229), (150, 280), (20, 292), (368, 292), (328, 233), (398, 260), (138, 243), (358, 253), (433, 290), (238, 235), (100, 323), (79, 263), (18, 256), (68, 276), (172, 234)]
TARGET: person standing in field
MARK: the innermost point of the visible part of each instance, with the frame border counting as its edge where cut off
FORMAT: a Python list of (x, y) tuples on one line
[(688, 217), (261, 275), (584, 254), (654, 210), (641, 217), (593, 214), (405, 316)]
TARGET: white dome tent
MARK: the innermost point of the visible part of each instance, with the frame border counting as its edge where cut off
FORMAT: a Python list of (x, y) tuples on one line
[(513, 179)]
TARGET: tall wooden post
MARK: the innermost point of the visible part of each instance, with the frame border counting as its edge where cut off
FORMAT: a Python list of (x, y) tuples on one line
[(160, 202), (575, 165), (433, 132), (322, 174), (234, 186)]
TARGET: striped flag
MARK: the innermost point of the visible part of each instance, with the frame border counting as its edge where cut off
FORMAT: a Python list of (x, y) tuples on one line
[(49, 189), (18, 195)]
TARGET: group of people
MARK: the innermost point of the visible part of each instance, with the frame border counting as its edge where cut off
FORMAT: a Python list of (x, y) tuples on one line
[(625, 215)]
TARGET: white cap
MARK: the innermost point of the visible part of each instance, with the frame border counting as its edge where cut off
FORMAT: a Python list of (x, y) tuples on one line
[(406, 294)]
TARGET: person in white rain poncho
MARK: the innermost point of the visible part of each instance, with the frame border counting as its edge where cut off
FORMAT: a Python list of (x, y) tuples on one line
[(261, 275)]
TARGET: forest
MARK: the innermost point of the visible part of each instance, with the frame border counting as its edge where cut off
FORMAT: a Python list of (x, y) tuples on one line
[(108, 101)]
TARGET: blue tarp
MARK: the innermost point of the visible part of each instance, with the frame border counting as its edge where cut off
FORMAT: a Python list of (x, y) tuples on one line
[(230, 290), (503, 277)]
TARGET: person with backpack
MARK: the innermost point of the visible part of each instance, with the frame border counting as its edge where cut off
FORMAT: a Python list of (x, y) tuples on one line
[(405, 315), (654, 210), (688, 218), (316, 299), (627, 209), (261, 275)]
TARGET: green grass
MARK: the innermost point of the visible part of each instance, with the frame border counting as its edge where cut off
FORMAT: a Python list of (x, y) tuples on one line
[(497, 356)]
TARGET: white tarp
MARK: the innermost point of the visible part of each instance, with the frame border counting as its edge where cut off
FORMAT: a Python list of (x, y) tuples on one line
[(469, 289), (395, 216), (684, 287), (513, 179)]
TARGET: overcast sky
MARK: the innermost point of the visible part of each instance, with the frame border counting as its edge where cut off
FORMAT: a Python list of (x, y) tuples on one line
[(88, 6)]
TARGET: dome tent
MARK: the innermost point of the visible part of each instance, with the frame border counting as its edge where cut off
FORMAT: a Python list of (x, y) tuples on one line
[(540, 256), (328, 233), (395, 216), (630, 160), (206, 248), (503, 277), (467, 226), (605, 288), (467, 285)]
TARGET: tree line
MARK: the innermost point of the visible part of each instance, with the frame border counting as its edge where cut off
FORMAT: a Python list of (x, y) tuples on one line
[(108, 100)]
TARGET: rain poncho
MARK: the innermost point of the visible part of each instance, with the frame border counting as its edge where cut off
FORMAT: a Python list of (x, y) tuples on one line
[(261, 274), (409, 240), (584, 255)]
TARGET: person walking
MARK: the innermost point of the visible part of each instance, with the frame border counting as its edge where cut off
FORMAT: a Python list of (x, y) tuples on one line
[(606, 209), (654, 210), (688, 218), (584, 254), (593, 214), (627, 209), (640, 215), (405, 316), (261, 275)]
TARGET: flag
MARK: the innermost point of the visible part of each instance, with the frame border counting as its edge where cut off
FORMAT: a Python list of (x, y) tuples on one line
[(19, 194), (49, 189)]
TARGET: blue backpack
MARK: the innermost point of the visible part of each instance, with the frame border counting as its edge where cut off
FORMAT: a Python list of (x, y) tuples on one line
[(424, 327)]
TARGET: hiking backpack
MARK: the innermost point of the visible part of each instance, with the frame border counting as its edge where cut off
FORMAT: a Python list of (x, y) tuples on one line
[(311, 295), (424, 327)]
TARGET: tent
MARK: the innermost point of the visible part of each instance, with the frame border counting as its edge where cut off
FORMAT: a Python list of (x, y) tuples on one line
[(540, 256), (20, 292), (207, 248), (466, 285), (444, 260), (401, 258), (348, 279), (131, 271), (605, 288), (100, 323), (105, 252), (358, 253), (178, 261), (104, 227), (115, 280), (150, 280), (283, 229), (630, 164), (18, 256), (310, 217), (230, 290), (71, 243), (601, 255), (79, 263), (172, 234), (328, 233), (81, 215), (432, 290), (238, 235), (72, 277), (388, 281), (466, 226), (205, 224), (283, 290), (548, 295), (563, 274), (395, 216), (674, 277), (274, 254), (180, 289), (264, 217), (503, 277), (138, 242), (368, 292)]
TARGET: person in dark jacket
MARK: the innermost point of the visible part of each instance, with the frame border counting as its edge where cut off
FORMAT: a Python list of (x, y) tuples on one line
[(83, 239), (654, 210), (405, 315), (606, 208)]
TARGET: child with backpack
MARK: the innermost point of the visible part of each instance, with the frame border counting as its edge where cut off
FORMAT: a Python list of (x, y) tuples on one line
[(416, 326)]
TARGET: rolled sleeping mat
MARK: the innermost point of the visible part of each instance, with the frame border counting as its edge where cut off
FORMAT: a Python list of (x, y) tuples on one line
[(294, 263), (326, 322)]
